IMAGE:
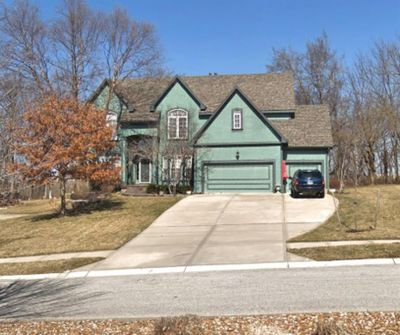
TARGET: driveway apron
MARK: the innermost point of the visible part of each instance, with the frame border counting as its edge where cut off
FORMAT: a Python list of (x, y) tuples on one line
[(221, 229)]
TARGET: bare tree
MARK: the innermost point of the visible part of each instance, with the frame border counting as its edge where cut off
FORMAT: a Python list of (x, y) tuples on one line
[(75, 37), (318, 73), (319, 79), (131, 49), (177, 160), (66, 56), (24, 45), (10, 114)]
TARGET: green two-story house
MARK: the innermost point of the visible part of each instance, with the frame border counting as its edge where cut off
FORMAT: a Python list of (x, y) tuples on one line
[(234, 133)]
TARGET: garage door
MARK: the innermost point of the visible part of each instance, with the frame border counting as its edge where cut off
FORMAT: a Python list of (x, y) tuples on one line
[(292, 167), (238, 177)]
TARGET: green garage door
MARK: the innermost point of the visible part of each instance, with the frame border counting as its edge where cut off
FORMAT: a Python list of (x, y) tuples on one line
[(238, 177), (292, 167)]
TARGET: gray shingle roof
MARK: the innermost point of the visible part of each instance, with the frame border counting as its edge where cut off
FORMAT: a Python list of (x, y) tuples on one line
[(311, 127), (140, 117), (268, 91)]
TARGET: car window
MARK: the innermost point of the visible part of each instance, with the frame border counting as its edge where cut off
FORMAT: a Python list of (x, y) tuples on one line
[(310, 174)]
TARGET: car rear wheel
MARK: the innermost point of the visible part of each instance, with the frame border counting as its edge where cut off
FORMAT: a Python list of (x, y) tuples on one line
[(321, 195)]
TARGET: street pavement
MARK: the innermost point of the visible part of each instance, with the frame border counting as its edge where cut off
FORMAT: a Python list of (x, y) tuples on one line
[(358, 288)]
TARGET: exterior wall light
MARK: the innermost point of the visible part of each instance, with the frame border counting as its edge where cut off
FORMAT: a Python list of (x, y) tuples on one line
[(237, 155)]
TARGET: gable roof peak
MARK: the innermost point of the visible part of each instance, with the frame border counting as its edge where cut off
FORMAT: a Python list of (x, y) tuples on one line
[(177, 79), (234, 91)]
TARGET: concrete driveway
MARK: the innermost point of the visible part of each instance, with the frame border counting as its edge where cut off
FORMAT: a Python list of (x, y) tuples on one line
[(221, 229)]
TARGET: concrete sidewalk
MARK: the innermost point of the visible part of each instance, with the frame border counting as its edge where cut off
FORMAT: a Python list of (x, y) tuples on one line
[(221, 229)]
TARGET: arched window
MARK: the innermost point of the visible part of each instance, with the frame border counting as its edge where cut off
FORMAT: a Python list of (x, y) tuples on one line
[(177, 124)]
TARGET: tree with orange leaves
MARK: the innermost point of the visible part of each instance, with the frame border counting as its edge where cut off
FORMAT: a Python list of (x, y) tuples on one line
[(63, 139)]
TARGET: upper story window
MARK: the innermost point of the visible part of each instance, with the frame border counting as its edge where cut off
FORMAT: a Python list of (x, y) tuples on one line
[(177, 124), (237, 122)]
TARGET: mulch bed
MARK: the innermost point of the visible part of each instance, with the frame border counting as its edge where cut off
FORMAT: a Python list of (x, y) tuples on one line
[(362, 323)]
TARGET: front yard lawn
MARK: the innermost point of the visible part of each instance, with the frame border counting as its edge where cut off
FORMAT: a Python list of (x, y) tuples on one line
[(349, 252), (55, 266), (103, 226), (357, 212)]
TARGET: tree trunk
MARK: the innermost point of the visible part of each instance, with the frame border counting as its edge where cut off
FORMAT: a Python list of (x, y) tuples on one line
[(385, 162), (370, 160), (63, 195), (396, 160)]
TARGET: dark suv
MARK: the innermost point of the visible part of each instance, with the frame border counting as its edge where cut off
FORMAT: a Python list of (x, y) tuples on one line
[(307, 182)]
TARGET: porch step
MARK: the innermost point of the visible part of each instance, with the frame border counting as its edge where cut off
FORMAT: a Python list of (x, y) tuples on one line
[(138, 189)]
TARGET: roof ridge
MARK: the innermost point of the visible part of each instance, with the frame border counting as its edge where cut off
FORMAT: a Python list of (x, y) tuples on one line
[(260, 74)]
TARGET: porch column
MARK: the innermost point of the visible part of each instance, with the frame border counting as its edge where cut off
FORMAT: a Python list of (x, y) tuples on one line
[(123, 160)]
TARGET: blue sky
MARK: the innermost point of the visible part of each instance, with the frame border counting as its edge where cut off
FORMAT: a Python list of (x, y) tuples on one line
[(236, 36)]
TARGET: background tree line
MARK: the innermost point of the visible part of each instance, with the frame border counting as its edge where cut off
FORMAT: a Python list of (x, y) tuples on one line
[(65, 57), (364, 105)]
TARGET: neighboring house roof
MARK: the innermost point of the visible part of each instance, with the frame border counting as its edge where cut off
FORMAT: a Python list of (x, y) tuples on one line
[(311, 127)]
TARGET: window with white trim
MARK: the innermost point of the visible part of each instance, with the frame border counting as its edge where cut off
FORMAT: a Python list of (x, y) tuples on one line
[(177, 124), (177, 168), (237, 119)]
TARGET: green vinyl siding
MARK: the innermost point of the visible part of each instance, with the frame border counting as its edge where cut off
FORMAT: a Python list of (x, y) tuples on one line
[(178, 98), (254, 129), (116, 105)]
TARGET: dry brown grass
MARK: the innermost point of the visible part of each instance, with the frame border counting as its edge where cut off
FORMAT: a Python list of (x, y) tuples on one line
[(349, 252), (329, 327), (182, 325), (103, 226), (357, 212), (357, 323), (45, 266)]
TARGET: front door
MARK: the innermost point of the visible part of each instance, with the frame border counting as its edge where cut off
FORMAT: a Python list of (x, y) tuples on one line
[(144, 171)]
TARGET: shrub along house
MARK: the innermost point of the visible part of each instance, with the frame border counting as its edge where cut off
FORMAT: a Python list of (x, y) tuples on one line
[(231, 133)]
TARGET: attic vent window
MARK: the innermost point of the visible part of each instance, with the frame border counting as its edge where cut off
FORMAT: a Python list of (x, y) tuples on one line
[(237, 122)]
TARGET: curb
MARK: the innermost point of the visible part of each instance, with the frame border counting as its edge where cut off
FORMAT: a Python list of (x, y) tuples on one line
[(204, 268)]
